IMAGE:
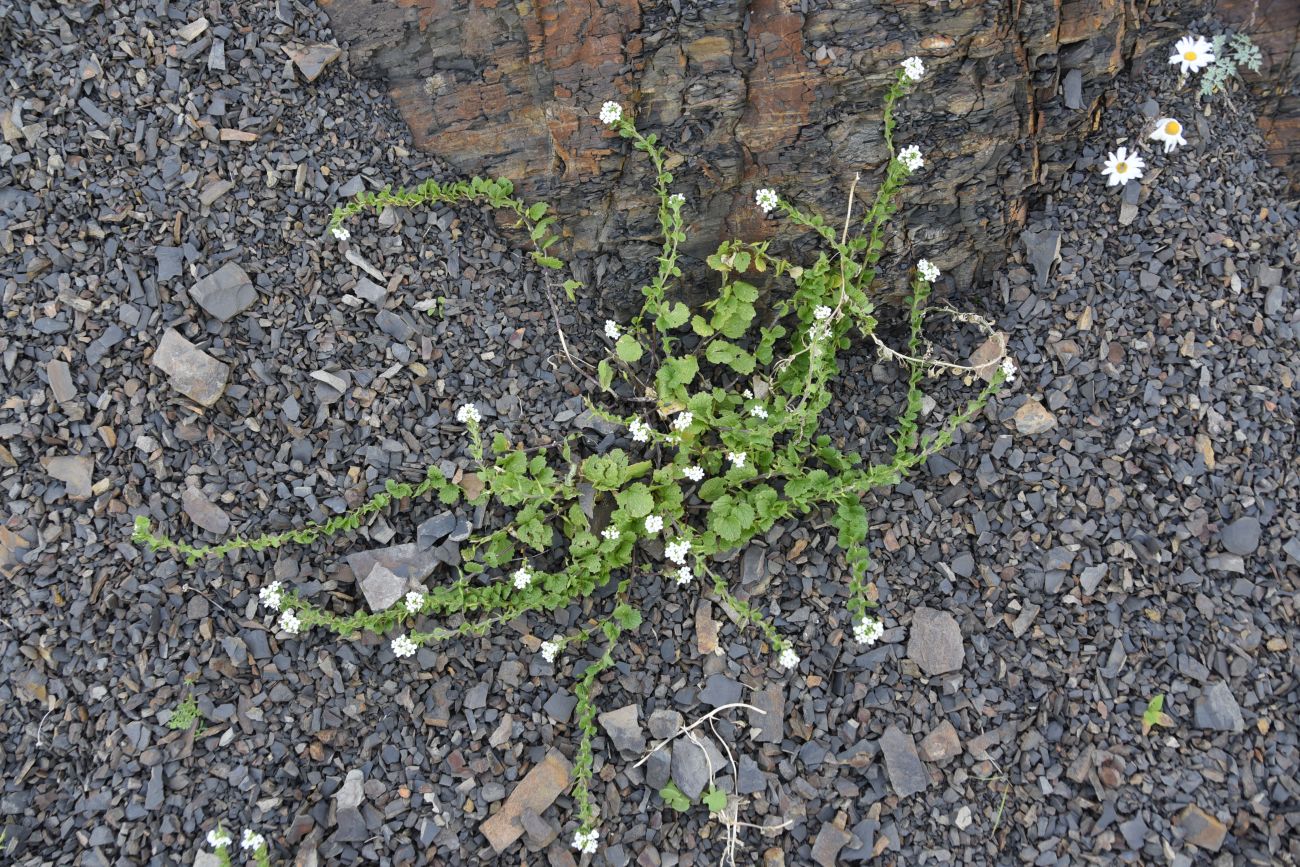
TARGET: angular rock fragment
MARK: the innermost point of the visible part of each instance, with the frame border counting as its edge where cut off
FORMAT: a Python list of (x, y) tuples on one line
[(906, 773), (536, 791), (1201, 829), (1217, 710), (204, 513), (75, 472), (193, 372), (624, 729), (225, 293), (311, 59), (1033, 418), (935, 642)]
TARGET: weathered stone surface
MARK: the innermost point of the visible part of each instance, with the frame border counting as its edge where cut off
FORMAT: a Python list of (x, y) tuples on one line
[(624, 729), (225, 293), (906, 773), (941, 744), (407, 561), (536, 791), (312, 59), (694, 764), (1217, 709), (1201, 829), (1033, 418), (830, 840), (60, 381), (75, 472), (382, 587), (935, 642), (1242, 536), (204, 513), (193, 372)]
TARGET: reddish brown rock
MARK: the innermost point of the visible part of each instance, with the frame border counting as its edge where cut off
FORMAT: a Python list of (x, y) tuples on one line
[(536, 791)]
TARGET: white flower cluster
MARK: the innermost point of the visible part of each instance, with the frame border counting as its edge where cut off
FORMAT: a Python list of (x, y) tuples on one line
[(766, 199), (414, 602), (788, 658), (677, 200), (758, 412), (270, 595), (821, 312), (868, 630), (676, 551), (468, 413), (585, 841), (289, 622), (911, 158), (403, 646), (927, 270), (549, 650), (640, 431), (913, 68), (252, 840), (683, 420), (685, 576), (695, 474), (1009, 369), (653, 524), (611, 330), (523, 577), (341, 233), (736, 458), (218, 838), (611, 112), (610, 533)]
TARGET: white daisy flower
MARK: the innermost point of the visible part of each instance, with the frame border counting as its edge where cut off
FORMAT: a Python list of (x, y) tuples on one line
[(695, 474), (414, 602), (1193, 52), (685, 576), (611, 112), (341, 233), (927, 270), (1009, 370), (585, 841), (252, 840), (766, 199), (640, 431), (468, 413), (270, 596), (821, 312), (1169, 132), (289, 622), (683, 421), (788, 658), (868, 630), (736, 458), (1121, 167), (523, 578), (218, 838), (610, 533), (677, 200), (611, 330), (758, 412), (549, 649), (403, 646), (913, 68), (911, 158), (653, 524), (676, 551)]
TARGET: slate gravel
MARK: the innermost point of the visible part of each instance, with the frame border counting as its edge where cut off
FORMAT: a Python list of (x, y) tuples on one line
[(1143, 541)]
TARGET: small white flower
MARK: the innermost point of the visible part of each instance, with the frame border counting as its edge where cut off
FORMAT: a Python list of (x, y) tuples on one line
[(468, 413), (341, 233), (1009, 370), (403, 646), (758, 412), (913, 68), (611, 330), (251, 840), (523, 578), (1121, 167), (911, 158), (821, 312), (928, 271), (788, 658), (610, 533), (640, 431), (270, 596), (585, 841), (677, 200), (1194, 53), (653, 524), (549, 649), (685, 576), (766, 199), (1170, 132), (218, 838), (736, 458), (749, 394), (414, 602), (676, 551), (683, 421), (289, 622), (868, 630), (695, 474), (818, 332), (611, 112)]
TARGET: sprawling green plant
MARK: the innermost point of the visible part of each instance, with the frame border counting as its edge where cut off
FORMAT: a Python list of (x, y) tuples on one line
[(1230, 53), (724, 442)]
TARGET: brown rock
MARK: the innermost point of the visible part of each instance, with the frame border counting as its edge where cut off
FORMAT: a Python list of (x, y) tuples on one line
[(774, 857), (1033, 418), (536, 791), (830, 840), (75, 472), (204, 513), (312, 59), (193, 372), (1200, 828), (706, 628), (941, 744)]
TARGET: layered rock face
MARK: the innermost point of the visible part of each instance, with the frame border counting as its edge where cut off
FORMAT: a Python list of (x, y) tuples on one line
[(764, 93)]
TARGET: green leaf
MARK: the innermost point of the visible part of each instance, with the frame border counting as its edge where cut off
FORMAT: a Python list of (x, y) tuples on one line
[(673, 377), (742, 290), (627, 616), (722, 352), (605, 373), (637, 500), (712, 489), (674, 316), (715, 799), (731, 518), (628, 349), (675, 797), (701, 327), (547, 261), (536, 211)]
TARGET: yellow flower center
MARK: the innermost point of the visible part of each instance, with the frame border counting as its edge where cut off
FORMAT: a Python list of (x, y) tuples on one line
[(1189, 55), (1173, 128), (1121, 168)]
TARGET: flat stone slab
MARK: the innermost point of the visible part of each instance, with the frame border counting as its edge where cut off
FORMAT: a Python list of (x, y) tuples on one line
[(1034, 418), (193, 372), (906, 773), (75, 472), (1200, 828), (312, 59), (1217, 710), (205, 514), (624, 729), (935, 643), (382, 587), (536, 791), (407, 562), (225, 293)]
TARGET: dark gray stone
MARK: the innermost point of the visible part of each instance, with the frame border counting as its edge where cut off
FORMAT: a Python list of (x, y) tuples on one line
[(225, 293), (935, 642), (1217, 709), (1242, 536), (906, 773)]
